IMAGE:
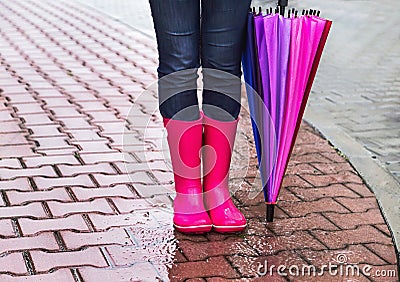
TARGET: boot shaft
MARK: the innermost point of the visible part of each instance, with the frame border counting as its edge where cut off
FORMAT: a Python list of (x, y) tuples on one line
[(218, 142), (185, 142)]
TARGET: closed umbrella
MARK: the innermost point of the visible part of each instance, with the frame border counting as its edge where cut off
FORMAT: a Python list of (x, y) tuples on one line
[(280, 62)]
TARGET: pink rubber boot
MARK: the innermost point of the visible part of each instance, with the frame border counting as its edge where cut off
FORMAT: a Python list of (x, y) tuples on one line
[(185, 142), (219, 137)]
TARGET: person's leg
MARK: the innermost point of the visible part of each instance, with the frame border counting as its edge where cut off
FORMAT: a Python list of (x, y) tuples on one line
[(177, 26), (223, 26)]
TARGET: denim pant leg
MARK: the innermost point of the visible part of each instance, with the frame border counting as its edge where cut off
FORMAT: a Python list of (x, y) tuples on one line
[(223, 29), (177, 26)]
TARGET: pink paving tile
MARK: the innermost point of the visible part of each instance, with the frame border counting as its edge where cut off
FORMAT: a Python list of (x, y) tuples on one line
[(50, 160), (34, 226), (17, 184), (93, 146), (129, 205), (37, 119), (47, 183), (10, 163), (17, 151), (52, 130), (44, 241), (112, 180), (93, 158), (85, 194), (30, 210), (147, 191), (11, 127), (11, 173), (139, 219), (89, 257), (6, 228), (143, 271), (75, 240), (53, 142), (20, 198), (72, 170), (13, 263), (59, 275), (85, 135), (63, 209), (13, 138), (77, 123)]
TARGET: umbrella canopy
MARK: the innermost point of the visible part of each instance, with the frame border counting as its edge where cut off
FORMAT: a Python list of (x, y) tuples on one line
[(276, 26), (251, 75), (258, 105), (280, 63)]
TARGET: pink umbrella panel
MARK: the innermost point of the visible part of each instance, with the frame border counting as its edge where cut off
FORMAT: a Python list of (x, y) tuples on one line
[(306, 36)]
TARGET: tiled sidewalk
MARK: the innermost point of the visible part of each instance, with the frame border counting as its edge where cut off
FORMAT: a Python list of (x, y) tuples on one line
[(85, 193)]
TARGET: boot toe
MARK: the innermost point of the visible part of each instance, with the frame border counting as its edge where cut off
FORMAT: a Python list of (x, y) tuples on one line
[(228, 219), (193, 223)]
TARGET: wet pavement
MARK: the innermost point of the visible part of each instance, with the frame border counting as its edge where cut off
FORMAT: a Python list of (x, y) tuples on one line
[(354, 102), (85, 191), (357, 86)]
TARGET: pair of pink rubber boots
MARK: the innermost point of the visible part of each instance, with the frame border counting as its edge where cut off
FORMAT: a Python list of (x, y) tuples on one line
[(199, 208)]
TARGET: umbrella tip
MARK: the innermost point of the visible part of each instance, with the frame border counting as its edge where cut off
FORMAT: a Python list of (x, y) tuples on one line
[(270, 212)]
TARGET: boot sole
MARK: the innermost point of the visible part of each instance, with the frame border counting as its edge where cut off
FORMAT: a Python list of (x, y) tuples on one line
[(197, 229), (229, 229)]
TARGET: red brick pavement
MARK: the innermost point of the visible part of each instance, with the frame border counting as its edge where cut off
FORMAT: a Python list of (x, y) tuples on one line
[(73, 124)]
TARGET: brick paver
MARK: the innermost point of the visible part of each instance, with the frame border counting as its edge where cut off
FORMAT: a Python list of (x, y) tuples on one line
[(80, 204), (356, 78)]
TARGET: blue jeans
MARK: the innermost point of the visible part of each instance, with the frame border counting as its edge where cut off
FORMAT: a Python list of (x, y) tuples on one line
[(194, 33)]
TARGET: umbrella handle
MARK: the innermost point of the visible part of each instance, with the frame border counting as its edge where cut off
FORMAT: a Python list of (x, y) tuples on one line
[(282, 5)]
